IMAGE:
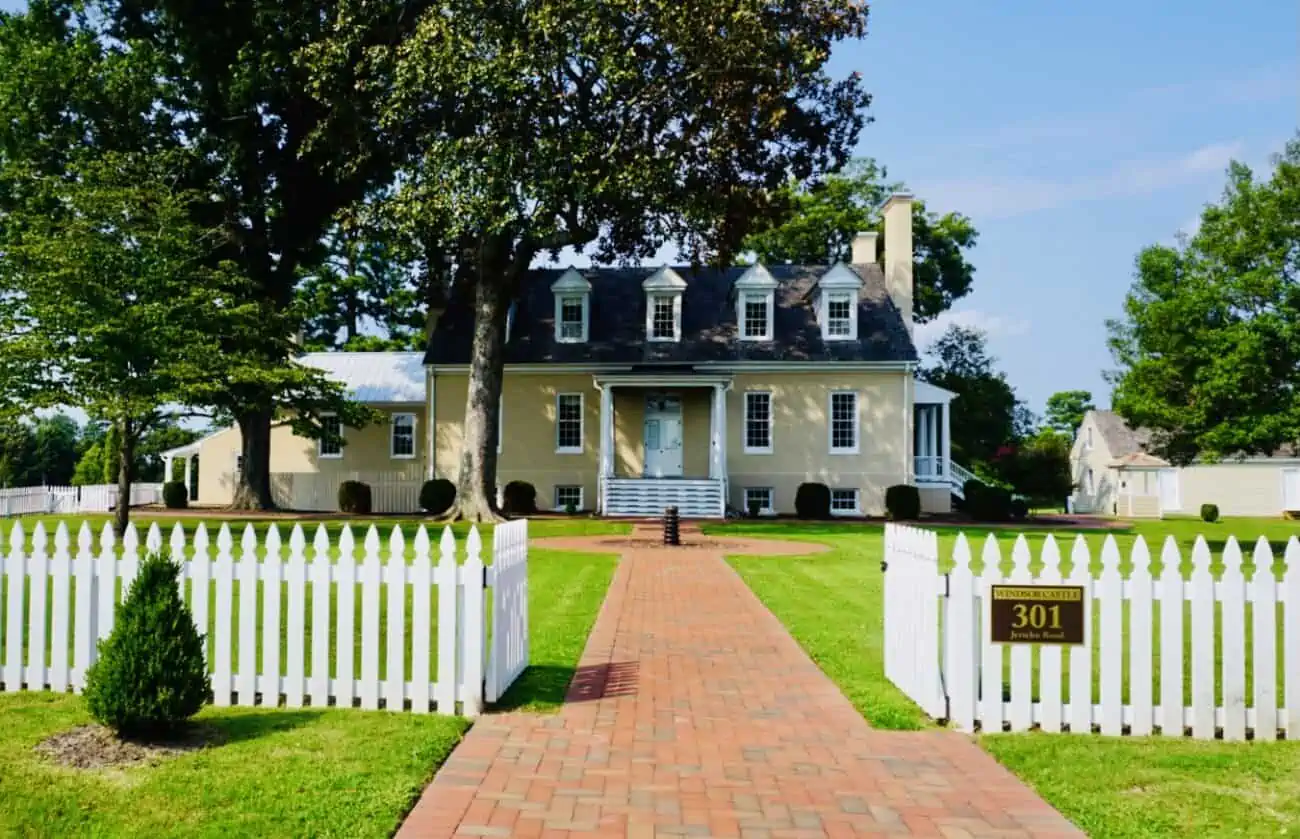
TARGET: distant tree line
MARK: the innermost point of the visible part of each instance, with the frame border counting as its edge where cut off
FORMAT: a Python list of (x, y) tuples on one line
[(55, 450)]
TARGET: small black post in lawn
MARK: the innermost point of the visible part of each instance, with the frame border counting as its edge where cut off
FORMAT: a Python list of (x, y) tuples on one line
[(672, 527)]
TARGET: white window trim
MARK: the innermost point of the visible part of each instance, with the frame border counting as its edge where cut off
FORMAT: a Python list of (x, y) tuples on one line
[(1087, 439), (320, 444), (857, 501), (584, 299), (676, 297), (392, 436), (771, 425), (555, 496), (768, 298), (830, 423), (770, 509), (582, 430), (826, 317)]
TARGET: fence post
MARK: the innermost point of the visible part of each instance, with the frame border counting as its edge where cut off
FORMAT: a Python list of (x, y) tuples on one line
[(471, 625)]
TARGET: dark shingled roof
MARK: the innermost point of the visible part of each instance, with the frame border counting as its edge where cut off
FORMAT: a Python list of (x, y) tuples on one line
[(709, 330), (1120, 439)]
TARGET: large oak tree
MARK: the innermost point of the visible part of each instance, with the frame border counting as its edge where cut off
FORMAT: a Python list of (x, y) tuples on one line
[(608, 126)]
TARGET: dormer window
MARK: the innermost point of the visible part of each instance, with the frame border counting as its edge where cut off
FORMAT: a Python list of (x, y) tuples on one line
[(572, 307), (755, 299), (837, 303), (663, 311)]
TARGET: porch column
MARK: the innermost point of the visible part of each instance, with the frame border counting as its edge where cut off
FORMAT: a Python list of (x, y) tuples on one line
[(167, 469), (946, 407), (715, 434), (189, 463)]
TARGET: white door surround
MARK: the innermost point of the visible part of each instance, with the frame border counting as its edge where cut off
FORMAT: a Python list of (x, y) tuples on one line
[(1290, 490), (1170, 496), (662, 435)]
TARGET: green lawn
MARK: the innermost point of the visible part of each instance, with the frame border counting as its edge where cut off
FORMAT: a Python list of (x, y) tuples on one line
[(1118, 787), (302, 772)]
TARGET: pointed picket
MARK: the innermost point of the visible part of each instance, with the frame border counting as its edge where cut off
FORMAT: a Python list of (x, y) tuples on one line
[(1022, 655), (1291, 639), (1141, 594), (15, 586), (1233, 613), (1081, 654), (991, 657), (1264, 637), (961, 627), (295, 575), (246, 685), (176, 551), (272, 591), (129, 564), (371, 571), (1049, 655), (223, 573), (1202, 642), (319, 685), (472, 624), (83, 629), (106, 587), (421, 581), (448, 618), (395, 636), (60, 611), (1112, 639), (200, 590), (38, 569), (1172, 600), (345, 639), (153, 540)]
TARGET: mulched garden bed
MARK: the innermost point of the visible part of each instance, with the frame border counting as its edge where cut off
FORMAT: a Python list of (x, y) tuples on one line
[(97, 747)]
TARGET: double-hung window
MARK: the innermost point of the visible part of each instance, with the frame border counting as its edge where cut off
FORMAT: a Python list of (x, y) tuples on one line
[(760, 498), (844, 422), (568, 496), (330, 444), (568, 423), (844, 502), (758, 422), (663, 317), (402, 437), (573, 318), (756, 316), (839, 315)]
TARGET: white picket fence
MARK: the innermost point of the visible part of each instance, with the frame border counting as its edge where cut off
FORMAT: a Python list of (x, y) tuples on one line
[(70, 500), (72, 591), (937, 647)]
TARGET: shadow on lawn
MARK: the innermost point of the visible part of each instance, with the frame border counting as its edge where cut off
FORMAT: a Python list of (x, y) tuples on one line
[(262, 723), (546, 686)]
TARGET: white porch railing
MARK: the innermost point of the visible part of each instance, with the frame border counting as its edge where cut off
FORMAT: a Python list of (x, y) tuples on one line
[(938, 470), (693, 497)]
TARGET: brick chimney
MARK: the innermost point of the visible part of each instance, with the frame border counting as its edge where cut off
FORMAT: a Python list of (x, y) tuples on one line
[(864, 248), (897, 213)]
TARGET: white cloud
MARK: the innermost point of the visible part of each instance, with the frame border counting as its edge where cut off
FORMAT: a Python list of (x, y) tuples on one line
[(1005, 197), (995, 326)]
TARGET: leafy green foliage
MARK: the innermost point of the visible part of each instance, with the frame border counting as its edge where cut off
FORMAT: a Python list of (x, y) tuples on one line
[(1209, 345), (1037, 468), (356, 498), (820, 218), (1210, 513), (903, 502), (1065, 411), (437, 496), (176, 496), (150, 676), (812, 501), (520, 498), (986, 415)]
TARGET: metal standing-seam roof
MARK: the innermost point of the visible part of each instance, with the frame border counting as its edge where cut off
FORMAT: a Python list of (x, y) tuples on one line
[(374, 377)]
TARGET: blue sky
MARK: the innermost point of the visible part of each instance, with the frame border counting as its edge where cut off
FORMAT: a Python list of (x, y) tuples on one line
[(1073, 135)]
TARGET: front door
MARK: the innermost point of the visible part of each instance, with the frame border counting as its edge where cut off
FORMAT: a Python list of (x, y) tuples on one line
[(1169, 495), (662, 434)]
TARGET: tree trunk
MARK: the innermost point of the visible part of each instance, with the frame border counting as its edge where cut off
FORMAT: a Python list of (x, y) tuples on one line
[(253, 480), (476, 483), (125, 456)]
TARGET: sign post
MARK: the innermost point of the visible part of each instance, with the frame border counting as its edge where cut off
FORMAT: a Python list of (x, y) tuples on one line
[(1033, 614)]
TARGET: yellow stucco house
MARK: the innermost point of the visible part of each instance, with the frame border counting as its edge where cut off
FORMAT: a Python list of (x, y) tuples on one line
[(1116, 475), (627, 390)]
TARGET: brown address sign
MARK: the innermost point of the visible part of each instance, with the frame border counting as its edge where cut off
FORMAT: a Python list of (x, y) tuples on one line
[(1028, 614)]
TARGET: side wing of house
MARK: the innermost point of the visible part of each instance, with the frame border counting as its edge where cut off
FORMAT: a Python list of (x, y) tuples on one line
[(1253, 487), (1095, 481)]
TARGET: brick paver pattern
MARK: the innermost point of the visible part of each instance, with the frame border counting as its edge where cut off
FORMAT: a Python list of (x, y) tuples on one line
[(694, 713)]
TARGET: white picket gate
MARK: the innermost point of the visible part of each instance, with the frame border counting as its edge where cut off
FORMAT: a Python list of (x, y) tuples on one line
[(251, 598), (69, 500), (937, 647)]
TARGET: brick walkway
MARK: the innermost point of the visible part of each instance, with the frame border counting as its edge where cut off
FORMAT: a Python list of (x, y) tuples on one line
[(694, 713)]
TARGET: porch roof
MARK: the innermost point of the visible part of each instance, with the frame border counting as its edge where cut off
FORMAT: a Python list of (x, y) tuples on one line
[(662, 378)]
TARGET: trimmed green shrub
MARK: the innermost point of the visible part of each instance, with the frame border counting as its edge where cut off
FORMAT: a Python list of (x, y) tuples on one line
[(812, 501), (520, 499), (903, 502), (1019, 509), (150, 676), (570, 509), (1210, 513), (437, 496), (176, 496), (987, 503), (755, 508), (355, 498)]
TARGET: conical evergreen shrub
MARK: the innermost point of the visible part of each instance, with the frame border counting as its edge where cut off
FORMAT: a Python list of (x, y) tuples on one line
[(150, 676)]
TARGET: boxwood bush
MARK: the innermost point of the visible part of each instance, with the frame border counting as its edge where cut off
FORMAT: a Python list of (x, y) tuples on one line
[(903, 501), (150, 676), (437, 496), (355, 498), (520, 499), (812, 501), (176, 496), (1210, 513)]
